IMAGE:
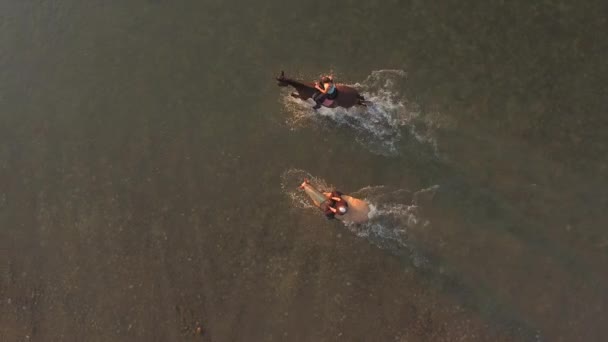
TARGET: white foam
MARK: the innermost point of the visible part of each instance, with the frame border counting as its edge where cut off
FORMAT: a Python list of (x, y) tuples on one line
[(392, 213)]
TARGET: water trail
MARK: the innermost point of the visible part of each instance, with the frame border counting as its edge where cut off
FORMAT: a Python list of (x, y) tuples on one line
[(393, 213), (395, 218), (379, 126)]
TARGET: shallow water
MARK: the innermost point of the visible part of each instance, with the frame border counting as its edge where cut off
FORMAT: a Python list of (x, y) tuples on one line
[(149, 165)]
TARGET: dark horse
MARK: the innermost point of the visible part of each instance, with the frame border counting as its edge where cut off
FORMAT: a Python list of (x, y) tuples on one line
[(347, 96)]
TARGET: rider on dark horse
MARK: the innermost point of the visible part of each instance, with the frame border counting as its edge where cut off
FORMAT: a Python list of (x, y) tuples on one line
[(341, 95), (326, 89)]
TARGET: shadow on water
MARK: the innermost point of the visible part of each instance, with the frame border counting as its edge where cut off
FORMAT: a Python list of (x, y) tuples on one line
[(498, 212), (479, 298), (486, 206)]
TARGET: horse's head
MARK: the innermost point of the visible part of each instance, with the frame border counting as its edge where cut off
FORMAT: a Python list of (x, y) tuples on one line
[(281, 80), (303, 90)]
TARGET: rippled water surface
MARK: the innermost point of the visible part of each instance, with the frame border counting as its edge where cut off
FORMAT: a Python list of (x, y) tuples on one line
[(149, 166)]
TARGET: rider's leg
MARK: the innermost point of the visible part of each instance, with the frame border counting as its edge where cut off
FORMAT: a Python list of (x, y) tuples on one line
[(319, 97)]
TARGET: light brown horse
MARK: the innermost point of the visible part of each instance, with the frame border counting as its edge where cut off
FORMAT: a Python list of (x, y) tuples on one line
[(358, 210), (347, 96)]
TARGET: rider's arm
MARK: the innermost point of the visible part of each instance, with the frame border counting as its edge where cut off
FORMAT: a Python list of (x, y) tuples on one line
[(329, 213), (317, 86)]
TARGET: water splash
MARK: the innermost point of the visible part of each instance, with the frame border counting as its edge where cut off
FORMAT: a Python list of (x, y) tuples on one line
[(393, 213), (380, 125)]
